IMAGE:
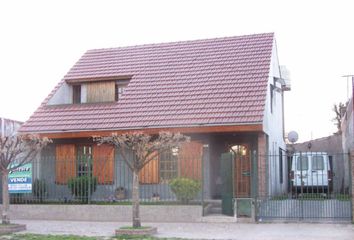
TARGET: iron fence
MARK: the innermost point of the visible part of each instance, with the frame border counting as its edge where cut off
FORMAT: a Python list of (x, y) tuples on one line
[(91, 177), (305, 186)]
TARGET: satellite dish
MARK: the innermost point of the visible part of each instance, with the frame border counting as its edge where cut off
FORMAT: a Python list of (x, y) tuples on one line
[(293, 136)]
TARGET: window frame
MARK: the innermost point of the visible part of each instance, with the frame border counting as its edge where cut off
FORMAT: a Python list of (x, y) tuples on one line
[(315, 159), (120, 85), (76, 96), (168, 165), (300, 166)]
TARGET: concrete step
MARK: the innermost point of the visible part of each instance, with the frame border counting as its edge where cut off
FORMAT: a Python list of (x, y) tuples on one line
[(214, 210), (217, 218), (216, 203)]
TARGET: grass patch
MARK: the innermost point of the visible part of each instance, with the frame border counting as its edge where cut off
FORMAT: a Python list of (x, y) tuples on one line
[(8, 225), (122, 237), (73, 237), (123, 203), (280, 197), (129, 227), (48, 237), (312, 196), (343, 197)]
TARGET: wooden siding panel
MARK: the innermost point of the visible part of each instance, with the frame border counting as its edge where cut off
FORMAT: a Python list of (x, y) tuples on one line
[(149, 174), (65, 164), (190, 160), (100, 92), (103, 163)]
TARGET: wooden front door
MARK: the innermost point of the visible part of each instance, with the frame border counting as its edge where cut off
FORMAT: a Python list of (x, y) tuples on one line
[(242, 171)]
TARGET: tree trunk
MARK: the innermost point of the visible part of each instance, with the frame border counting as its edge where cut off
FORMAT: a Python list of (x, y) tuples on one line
[(136, 199), (5, 198)]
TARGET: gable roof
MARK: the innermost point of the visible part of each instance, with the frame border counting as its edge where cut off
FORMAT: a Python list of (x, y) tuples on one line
[(211, 82)]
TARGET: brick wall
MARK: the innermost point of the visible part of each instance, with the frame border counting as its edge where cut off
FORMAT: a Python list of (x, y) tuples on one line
[(262, 167)]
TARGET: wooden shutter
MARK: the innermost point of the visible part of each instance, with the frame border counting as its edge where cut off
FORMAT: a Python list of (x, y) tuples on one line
[(101, 92), (65, 164), (190, 160), (103, 163), (149, 174)]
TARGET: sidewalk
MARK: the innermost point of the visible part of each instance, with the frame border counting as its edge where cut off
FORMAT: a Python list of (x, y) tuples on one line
[(303, 231)]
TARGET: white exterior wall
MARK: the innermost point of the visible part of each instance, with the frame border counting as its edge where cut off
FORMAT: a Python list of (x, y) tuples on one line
[(347, 128), (273, 126), (64, 95)]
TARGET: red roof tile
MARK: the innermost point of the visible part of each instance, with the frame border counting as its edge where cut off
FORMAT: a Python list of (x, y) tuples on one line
[(204, 82)]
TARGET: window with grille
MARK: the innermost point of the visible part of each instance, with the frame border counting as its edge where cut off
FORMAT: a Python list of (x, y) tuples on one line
[(84, 160), (169, 165)]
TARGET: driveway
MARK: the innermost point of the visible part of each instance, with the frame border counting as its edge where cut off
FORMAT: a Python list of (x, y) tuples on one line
[(274, 231)]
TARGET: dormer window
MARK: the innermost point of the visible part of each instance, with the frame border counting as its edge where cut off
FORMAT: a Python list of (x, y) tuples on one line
[(76, 93), (98, 91), (119, 89)]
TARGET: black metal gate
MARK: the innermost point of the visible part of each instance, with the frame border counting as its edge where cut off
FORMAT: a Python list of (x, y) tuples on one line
[(227, 184), (306, 186)]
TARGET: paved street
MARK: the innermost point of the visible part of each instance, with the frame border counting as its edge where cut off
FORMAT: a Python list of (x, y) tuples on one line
[(303, 231)]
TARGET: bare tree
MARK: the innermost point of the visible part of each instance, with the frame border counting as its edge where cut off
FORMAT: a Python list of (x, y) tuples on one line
[(144, 148), (16, 151), (337, 109)]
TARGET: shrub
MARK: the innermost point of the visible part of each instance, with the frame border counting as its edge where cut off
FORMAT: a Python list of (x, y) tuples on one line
[(17, 198), (81, 187), (185, 189), (40, 189)]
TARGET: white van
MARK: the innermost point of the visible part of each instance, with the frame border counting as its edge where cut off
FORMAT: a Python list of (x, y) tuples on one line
[(311, 172)]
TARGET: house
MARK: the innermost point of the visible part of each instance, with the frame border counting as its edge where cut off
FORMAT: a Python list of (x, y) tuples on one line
[(226, 93), (347, 129), (8, 126)]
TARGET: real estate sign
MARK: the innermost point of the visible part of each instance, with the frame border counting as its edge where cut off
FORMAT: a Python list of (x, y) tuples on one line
[(20, 179)]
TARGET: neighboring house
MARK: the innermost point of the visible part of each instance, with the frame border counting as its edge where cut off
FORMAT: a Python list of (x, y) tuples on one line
[(347, 128), (332, 145), (8, 126), (226, 93)]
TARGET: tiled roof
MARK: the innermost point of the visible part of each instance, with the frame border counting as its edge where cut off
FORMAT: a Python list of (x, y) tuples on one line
[(220, 81)]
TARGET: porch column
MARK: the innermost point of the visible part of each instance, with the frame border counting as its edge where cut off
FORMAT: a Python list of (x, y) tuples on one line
[(262, 167)]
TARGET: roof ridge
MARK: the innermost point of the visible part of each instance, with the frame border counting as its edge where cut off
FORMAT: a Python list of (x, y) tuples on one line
[(268, 34)]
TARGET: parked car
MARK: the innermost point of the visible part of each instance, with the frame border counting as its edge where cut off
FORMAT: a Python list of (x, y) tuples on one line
[(311, 172)]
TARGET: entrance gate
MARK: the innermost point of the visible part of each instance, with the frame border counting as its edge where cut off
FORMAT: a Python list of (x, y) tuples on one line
[(227, 186), (236, 182)]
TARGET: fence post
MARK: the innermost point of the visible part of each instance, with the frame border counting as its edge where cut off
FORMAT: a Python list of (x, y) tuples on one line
[(301, 187), (89, 162), (351, 182), (254, 184)]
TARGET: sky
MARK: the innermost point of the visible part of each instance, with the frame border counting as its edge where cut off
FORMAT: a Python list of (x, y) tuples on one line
[(41, 40)]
